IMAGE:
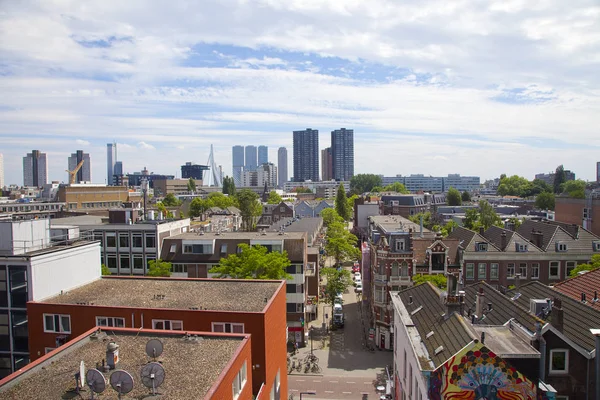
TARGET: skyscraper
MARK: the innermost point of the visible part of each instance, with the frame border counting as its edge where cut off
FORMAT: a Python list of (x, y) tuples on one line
[(326, 165), (1, 171), (266, 172), (118, 171), (191, 170), (35, 169), (282, 166), (263, 155), (85, 172), (237, 156), (111, 159), (306, 155), (342, 154), (251, 158)]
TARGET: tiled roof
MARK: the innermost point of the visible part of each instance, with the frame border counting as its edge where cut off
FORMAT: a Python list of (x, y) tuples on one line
[(577, 239), (503, 308), (468, 239), (588, 283), (578, 318), (420, 246), (451, 333), (494, 235), (548, 231)]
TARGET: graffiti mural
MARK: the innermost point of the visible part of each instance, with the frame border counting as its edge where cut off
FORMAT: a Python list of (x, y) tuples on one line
[(477, 373)]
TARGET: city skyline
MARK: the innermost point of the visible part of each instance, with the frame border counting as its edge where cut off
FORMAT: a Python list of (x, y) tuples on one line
[(475, 89)]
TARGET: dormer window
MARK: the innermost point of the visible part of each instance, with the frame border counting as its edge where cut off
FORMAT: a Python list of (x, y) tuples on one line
[(400, 245), (561, 247), (521, 247), (596, 245), (481, 246)]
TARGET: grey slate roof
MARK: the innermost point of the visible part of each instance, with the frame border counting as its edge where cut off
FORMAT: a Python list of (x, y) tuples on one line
[(578, 318), (451, 333), (554, 232), (494, 235), (468, 239)]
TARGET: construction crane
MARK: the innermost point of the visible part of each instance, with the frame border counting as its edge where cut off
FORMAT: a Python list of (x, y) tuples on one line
[(73, 174)]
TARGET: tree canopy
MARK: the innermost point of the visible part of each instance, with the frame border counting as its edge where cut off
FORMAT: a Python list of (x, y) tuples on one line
[(592, 265), (396, 187), (559, 178), (274, 198), (215, 199), (484, 217), (337, 281), (162, 209), (329, 216), (438, 280), (229, 186), (545, 201), (465, 196), (340, 243), (191, 185), (253, 262), (454, 197), (301, 189), (250, 208), (341, 203), (574, 188), (363, 183), (159, 268), (445, 229), (171, 201)]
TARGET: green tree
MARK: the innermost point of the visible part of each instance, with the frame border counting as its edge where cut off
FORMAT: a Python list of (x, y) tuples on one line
[(351, 201), (559, 178), (218, 199), (198, 206), (539, 186), (514, 186), (337, 282), (471, 217), (250, 208), (171, 201), (229, 186), (363, 183), (484, 217), (438, 280), (574, 189), (159, 268), (162, 209), (105, 270), (253, 262), (427, 219), (341, 203), (545, 201), (396, 187), (445, 229), (329, 216), (377, 189), (301, 189), (274, 198), (191, 185), (592, 265), (454, 198), (465, 196), (341, 244)]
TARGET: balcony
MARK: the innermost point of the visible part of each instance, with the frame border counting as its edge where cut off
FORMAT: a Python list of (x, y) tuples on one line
[(381, 278), (399, 280)]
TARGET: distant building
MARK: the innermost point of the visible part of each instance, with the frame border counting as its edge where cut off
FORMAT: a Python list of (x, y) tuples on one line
[(407, 205), (163, 187), (597, 171), (111, 159), (85, 172), (549, 177), (118, 171), (282, 166), (266, 173), (237, 156), (323, 189), (263, 155), (190, 170), (35, 169), (90, 196), (1, 171), (342, 154), (326, 165), (306, 155), (249, 178), (135, 179), (583, 212), (251, 161), (421, 183)]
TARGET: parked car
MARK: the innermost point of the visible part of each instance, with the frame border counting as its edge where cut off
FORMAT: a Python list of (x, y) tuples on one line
[(338, 300), (337, 309), (358, 282), (338, 320), (358, 288), (357, 276), (355, 269)]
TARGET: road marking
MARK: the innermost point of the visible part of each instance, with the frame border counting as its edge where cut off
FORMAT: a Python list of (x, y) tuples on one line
[(350, 382), (333, 381), (300, 380), (316, 381), (329, 391), (366, 383), (346, 392)]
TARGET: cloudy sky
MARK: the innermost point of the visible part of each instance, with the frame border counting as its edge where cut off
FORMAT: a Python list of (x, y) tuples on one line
[(429, 86)]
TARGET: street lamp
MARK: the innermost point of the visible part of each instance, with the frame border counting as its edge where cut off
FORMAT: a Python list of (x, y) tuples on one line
[(310, 393), (144, 185)]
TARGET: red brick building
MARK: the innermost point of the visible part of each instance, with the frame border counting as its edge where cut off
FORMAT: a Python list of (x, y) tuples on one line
[(584, 212), (250, 307), (219, 365)]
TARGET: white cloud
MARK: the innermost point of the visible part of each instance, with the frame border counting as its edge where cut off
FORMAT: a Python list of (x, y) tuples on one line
[(82, 142), (146, 146)]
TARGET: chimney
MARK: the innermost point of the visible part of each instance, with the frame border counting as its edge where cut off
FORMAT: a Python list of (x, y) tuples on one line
[(482, 337), (481, 230), (517, 283), (479, 303), (112, 355), (450, 284), (503, 240), (557, 314), (537, 237)]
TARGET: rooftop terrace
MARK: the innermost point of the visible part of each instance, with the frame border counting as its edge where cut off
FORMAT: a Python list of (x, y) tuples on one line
[(191, 366), (205, 294)]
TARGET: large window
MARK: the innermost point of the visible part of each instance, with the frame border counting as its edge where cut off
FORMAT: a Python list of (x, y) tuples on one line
[(197, 249), (125, 263), (111, 261), (115, 322), (404, 269), (19, 331), (57, 323), (227, 327), (150, 241), (510, 271), (494, 269), (3, 287), (111, 240), (523, 270), (239, 381), (136, 240), (123, 239), (18, 286), (4, 331), (559, 361), (395, 270), (470, 271), (554, 270), (481, 271), (5, 365), (569, 266), (167, 325), (138, 262), (535, 271)]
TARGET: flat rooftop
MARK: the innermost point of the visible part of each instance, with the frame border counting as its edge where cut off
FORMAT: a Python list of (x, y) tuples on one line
[(239, 235), (191, 366), (505, 343), (206, 294), (52, 248), (396, 223)]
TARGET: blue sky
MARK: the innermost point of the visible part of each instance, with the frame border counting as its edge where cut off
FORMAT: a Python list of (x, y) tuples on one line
[(431, 87)]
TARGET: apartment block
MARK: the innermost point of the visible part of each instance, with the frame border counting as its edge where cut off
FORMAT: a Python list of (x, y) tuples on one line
[(163, 187), (342, 154), (306, 155), (92, 196), (409, 204), (282, 166), (85, 172), (35, 169), (435, 184)]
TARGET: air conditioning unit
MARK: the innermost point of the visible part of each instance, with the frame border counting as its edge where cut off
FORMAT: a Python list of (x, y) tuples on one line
[(537, 306)]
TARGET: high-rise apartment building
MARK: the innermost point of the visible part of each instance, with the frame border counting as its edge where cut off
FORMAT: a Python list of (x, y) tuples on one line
[(85, 172), (237, 156), (118, 169), (111, 159), (306, 155), (1, 171), (263, 155), (326, 165), (282, 166), (266, 173), (342, 154), (35, 169), (251, 161)]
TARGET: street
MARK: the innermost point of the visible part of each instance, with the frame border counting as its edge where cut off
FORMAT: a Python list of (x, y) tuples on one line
[(349, 370)]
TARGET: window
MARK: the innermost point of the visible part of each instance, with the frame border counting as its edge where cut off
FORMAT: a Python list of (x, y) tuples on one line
[(125, 262), (57, 323), (559, 361), (123, 239), (561, 247), (294, 307), (294, 288), (481, 246), (197, 249), (111, 240), (98, 236), (150, 241), (227, 327), (294, 269), (494, 270), (114, 322), (395, 271), (3, 287), (470, 271), (179, 268), (138, 262), (167, 325), (111, 261), (18, 286), (510, 271), (400, 245), (554, 270), (5, 365), (521, 247), (569, 266), (136, 240), (535, 271), (481, 270), (239, 381), (404, 362), (173, 248), (596, 245), (523, 270), (224, 248), (282, 209)]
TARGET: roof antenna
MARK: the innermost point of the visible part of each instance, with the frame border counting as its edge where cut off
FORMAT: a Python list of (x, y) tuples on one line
[(153, 375), (122, 382), (96, 382)]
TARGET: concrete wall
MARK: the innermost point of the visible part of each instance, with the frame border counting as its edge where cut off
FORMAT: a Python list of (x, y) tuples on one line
[(364, 211), (19, 237)]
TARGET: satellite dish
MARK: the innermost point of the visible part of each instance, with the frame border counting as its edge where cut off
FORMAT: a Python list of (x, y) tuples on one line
[(121, 381), (95, 380), (153, 375), (154, 348)]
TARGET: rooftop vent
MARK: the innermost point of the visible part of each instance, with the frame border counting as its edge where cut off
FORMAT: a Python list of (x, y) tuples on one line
[(438, 350), (430, 334), (416, 310), (158, 297)]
